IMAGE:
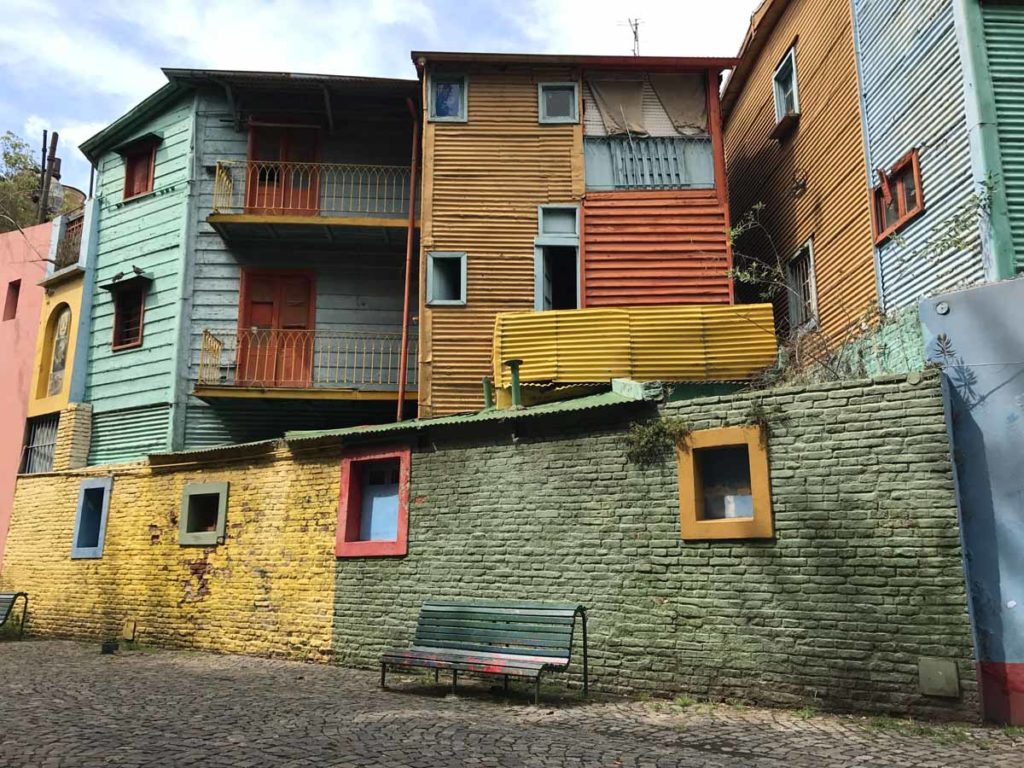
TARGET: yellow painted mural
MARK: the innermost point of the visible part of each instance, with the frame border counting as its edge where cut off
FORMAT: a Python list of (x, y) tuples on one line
[(267, 590)]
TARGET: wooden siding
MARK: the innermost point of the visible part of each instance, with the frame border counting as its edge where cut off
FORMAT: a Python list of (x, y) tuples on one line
[(657, 247), (144, 233), (483, 181), (358, 288), (907, 52), (826, 151), (696, 343)]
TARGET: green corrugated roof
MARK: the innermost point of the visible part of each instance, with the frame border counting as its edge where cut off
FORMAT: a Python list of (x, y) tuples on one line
[(587, 403)]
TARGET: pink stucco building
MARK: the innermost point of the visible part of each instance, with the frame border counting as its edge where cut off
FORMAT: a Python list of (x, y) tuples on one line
[(22, 266)]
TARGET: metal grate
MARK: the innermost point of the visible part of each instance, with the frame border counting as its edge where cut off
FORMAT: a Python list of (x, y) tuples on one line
[(70, 244), (40, 439), (800, 278)]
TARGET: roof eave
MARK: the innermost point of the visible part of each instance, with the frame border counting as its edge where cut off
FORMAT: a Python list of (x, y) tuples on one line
[(762, 25), (110, 136), (538, 59)]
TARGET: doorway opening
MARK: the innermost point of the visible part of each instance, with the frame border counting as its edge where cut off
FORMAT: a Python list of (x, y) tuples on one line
[(559, 277)]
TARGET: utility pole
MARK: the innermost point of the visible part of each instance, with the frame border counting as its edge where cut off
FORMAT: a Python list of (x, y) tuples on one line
[(48, 171), (634, 25)]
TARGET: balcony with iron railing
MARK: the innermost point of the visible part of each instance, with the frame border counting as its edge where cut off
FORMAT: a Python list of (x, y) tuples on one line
[(302, 364), (258, 197)]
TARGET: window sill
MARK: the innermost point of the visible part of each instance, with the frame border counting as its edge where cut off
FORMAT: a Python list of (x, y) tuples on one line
[(371, 549), (559, 121), (140, 196), (126, 347), (446, 303), (432, 119), (785, 127), (882, 237)]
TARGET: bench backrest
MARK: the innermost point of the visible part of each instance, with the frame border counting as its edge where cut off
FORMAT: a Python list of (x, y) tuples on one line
[(6, 601), (528, 629)]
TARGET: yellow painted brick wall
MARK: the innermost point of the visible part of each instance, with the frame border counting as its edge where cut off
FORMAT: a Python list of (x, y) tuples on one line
[(268, 590)]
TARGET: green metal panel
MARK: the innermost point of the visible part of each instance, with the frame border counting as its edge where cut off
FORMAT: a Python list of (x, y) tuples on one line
[(1004, 37), (130, 434)]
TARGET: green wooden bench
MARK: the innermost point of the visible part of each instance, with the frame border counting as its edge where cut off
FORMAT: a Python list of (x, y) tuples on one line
[(492, 638), (7, 600)]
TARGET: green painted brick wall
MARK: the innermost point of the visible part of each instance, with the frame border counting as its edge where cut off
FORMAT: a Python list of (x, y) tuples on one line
[(864, 576)]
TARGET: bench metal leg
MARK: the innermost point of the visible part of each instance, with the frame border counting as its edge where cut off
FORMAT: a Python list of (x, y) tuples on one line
[(437, 675), (506, 683), (24, 614), (455, 680), (536, 691), (586, 661), (383, 674)]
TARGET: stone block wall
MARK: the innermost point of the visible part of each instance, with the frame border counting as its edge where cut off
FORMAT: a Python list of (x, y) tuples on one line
[(863, 579), (74, 431)]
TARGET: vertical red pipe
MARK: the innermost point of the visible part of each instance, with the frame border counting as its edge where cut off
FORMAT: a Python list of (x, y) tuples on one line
[(403, 363)]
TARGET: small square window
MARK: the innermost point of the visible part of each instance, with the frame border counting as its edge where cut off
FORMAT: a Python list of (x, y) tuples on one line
[(448, 98), (203, 514), (139, 166), (897, 199), (559, 221), (724, 487), (446, 278), (801, 293), (558, 102), (129, 311), (787, 94), (373, 516), (11, 301), (91, 518)]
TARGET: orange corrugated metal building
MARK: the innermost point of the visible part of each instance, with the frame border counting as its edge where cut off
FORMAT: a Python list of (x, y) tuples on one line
[(793, 143), (524, 182)]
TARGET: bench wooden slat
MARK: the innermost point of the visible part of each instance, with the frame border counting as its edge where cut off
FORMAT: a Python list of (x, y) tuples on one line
[(508, 612), (503, 618), (547, 630), (483, 637), (569, 608)]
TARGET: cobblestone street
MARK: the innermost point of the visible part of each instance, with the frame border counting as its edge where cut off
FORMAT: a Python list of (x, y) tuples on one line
[(63, 704)]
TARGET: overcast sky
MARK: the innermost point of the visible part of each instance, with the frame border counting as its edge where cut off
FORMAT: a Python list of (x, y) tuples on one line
[(76, 65)]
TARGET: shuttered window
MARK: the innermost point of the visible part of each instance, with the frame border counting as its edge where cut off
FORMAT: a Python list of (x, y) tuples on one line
[(138, 172), (129, 310)]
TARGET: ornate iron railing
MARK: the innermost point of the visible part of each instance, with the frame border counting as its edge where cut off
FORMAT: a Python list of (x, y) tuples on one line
[(310, 189), (299, 359), (70, 244)]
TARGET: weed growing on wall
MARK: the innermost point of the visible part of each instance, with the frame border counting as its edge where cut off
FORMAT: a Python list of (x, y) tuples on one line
[(650, 442)]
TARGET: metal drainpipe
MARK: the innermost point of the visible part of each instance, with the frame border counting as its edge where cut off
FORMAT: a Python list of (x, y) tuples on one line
[(403, 363), (517, 397)]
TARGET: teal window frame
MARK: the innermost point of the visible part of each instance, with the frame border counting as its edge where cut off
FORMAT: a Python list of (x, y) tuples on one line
[(91, 484), (548, 120), (433, 256), (778, 90), (463, 115), (212, 538)]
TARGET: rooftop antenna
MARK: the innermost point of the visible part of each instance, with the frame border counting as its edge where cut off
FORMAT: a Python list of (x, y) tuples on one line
[(634, 25)]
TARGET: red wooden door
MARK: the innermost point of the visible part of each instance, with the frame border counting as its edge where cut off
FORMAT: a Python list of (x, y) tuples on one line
[(283, 175), (276, 329)]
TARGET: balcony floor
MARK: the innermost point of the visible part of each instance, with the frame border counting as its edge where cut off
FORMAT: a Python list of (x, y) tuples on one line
[(208, 393), (387, 231)]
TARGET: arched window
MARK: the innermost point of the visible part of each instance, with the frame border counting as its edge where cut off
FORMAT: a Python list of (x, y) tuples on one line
[(60, 334)]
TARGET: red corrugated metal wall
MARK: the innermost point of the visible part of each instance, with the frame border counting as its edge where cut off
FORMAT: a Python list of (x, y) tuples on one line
[(655, 247)]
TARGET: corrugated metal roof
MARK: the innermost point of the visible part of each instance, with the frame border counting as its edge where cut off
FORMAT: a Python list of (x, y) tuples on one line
[(543, 59), (270, 79), (213, 452), (590, 402)]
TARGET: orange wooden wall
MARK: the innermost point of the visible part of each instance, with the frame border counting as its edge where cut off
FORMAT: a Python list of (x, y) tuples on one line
[(655, 247), (814, 183)]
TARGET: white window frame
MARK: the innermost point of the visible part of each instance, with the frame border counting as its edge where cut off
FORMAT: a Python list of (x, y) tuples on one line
[(812, 321), (431, 280), (463, 117), (557, 239), (571, 119), (789, 58)]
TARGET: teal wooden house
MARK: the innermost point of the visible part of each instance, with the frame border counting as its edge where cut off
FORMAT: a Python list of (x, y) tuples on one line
[(251, 261)]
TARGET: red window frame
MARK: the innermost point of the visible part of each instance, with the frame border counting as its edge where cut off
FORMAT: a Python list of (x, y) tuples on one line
[(348, 543), (120, 298), (895, 180), (146, 156)]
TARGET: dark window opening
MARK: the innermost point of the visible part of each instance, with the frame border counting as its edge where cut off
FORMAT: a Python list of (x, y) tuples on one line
[(723, 475), (559, 276), (138, 172), (92, 517), (128, 313), (203, 513), (11, 302)]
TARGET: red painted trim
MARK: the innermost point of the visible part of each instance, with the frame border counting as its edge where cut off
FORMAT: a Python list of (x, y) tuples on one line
[(721, 176), (243, 293), (1002, 691), (129, 159), (582, 287), (904, 216), (349, 503)]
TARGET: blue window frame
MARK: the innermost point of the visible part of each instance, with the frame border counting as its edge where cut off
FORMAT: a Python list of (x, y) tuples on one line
[(91, 518), (558, 102), (448, 98)]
